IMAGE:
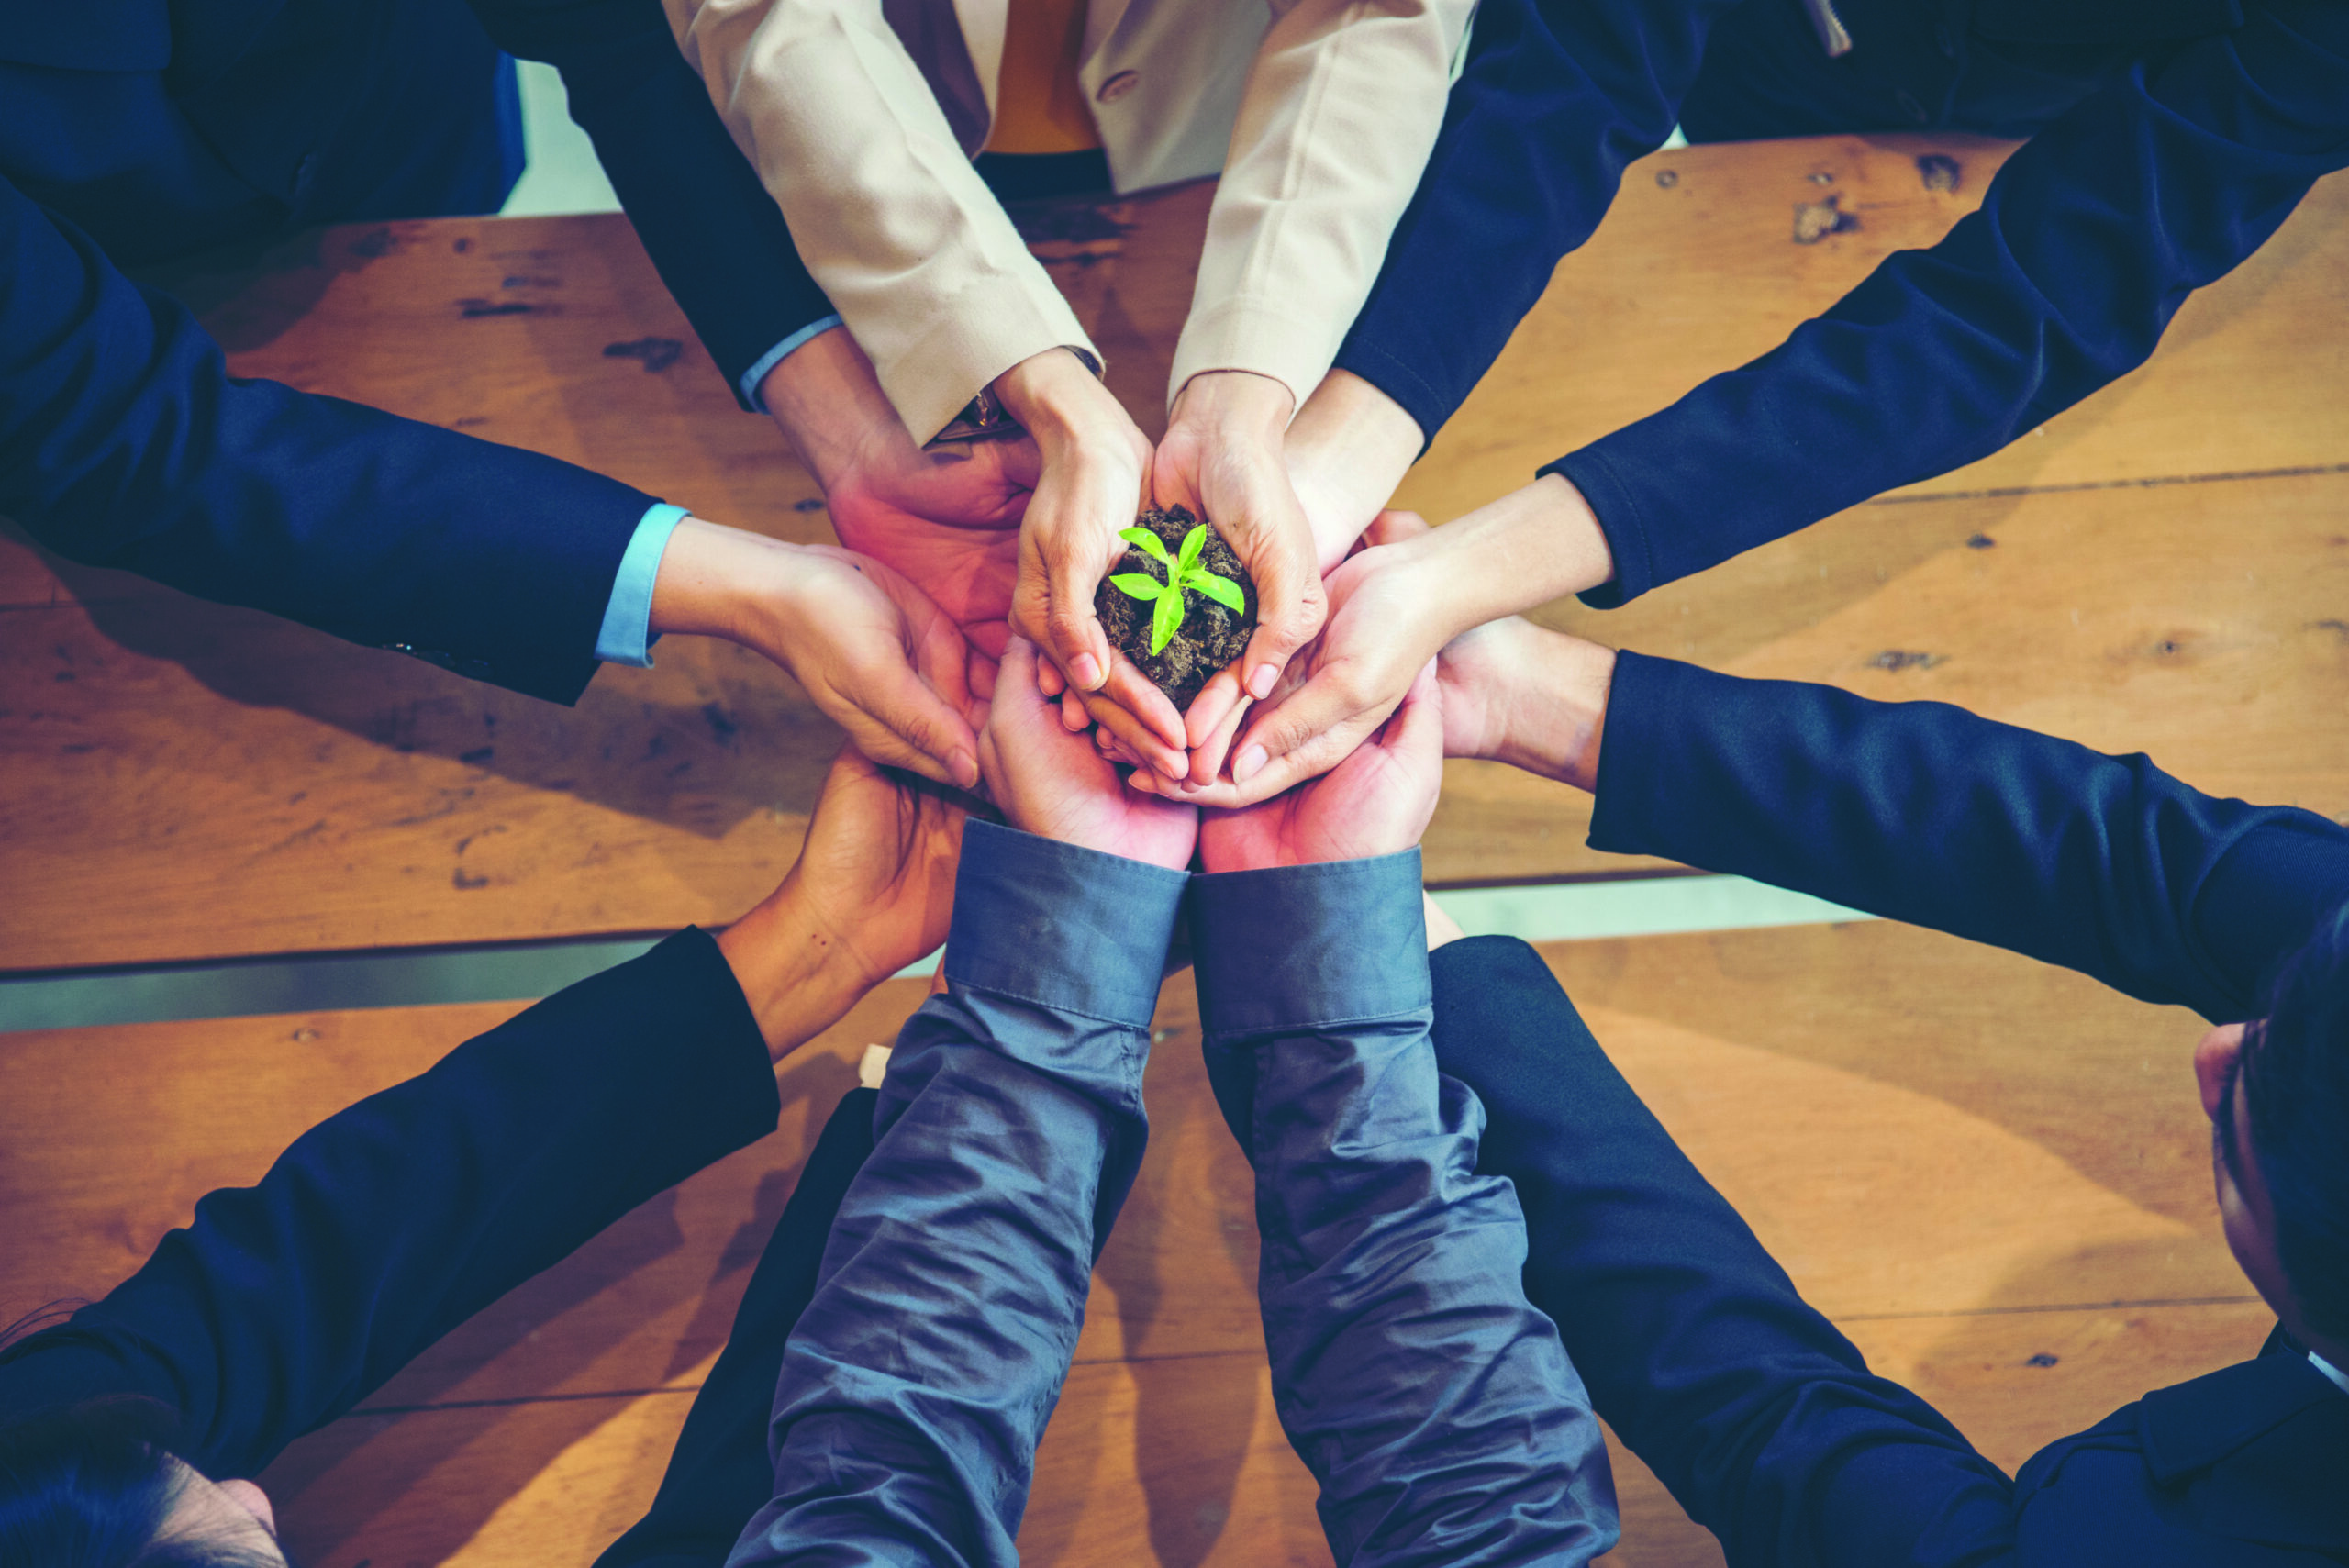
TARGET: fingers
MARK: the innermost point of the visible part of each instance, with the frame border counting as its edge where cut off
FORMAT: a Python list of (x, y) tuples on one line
[(1208, 756), (908, 725), (1212, 710), (1049, 679), (1140, 739), (1291, 606), (1392, 527), (1416, 729), (1310, 760)]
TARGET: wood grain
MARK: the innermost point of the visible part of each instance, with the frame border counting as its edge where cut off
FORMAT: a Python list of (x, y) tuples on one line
[(1696, 271), (1968, 1159), (182, 781)]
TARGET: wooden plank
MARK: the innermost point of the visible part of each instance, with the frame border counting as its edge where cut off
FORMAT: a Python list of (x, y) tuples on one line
[(2239, 383), (300, 794), (1969, 1159), (178, 781)]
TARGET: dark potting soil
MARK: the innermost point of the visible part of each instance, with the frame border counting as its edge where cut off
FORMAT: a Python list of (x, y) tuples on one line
[(1212, 636)]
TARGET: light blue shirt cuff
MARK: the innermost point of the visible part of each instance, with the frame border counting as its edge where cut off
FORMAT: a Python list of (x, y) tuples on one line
[(776, 355), (626, 637)]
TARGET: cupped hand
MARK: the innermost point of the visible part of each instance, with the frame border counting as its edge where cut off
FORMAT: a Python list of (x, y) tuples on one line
[(875, 655), (877, 868), (1376, 802), (946, 517), (1223, 458), (873, 891), (879, 657), (1057, 785), (1385, 625)]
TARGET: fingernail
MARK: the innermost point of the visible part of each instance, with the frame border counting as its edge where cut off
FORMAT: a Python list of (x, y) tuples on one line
[(966, 769), (1249, 764), (1260, 685), (1141, 779), (1086, 671)]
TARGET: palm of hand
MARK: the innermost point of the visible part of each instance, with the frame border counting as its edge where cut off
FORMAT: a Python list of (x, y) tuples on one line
[(1056, 784), (949, 521), (877, 870), (1376, 802)]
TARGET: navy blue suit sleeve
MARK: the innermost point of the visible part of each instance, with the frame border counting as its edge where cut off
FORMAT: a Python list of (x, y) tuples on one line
[(285, 1303), (715, 236), (1433, 1403), (719, 1475), (2086, 243), (1761, 1418), (920, 1377), (1555, 97), (125, 442), (1925, 813)]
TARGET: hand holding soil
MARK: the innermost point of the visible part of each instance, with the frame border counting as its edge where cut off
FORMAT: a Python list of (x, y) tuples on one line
[(1180, 611)]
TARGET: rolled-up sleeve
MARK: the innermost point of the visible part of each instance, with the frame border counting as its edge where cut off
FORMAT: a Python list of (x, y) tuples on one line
[(921, 1374), (1432, 1402)]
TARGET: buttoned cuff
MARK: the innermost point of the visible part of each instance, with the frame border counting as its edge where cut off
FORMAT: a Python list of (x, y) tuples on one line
[(1268, 338), (1063, 927), (1295, 949), (748, 385), (977, 335), (627, 635)]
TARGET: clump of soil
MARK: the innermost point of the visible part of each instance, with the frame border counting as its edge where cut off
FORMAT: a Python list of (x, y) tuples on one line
[(1211, 638)]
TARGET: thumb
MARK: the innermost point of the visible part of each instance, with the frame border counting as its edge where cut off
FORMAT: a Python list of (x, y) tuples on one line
[(1291, 605), (1392, 527), (924, 733)]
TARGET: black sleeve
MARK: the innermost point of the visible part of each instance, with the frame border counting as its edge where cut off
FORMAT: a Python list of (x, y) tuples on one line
[(1926, 813), (1555, 97), (720, 1474), (1762, 1420), (125, 442), (717, 237), (286, 1303), (2088, 240)]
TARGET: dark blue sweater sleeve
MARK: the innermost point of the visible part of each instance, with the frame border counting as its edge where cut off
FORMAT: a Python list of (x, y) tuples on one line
[(1926, 813), (285, 1303), (2087, 242), (125, 442), (1762, 1420), (717, 237), (918, 1378), (1555, 97), (1433, 1403)]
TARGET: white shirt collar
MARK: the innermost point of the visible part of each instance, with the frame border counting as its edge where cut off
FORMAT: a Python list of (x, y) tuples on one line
[(2339, 1378)]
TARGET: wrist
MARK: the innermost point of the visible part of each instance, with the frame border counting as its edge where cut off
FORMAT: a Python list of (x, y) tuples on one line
[(728, 582), (1556, 717), (1235, 405), (828, 401), (1348, 450), (799, 977), (1533, 545), (1056, 397)]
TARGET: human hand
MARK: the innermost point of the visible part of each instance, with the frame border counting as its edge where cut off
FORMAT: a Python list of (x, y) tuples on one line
[(874, 653), (873, 890), (1387, 619), (1057, 785), (1223, 458), (1095, 462), (945, 515), (1376, 802)]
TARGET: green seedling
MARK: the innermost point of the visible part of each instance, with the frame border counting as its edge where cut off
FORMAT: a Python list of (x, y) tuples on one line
[(1183, 572)]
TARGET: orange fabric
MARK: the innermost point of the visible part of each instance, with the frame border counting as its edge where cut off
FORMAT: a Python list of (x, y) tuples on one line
[(1038, 104)]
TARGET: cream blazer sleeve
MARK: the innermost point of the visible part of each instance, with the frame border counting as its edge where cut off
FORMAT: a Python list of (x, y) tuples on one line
[(1341, 112), (894, 225)]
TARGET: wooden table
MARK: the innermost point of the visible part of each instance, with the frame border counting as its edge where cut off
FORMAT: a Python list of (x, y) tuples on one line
[(2165, 567), (1991, 1174)]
